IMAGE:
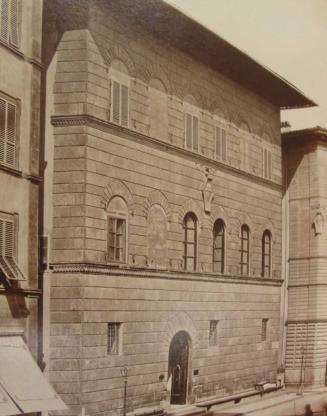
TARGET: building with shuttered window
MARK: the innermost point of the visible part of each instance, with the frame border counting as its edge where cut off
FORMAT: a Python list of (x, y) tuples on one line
[(23, 389), (163, 209)]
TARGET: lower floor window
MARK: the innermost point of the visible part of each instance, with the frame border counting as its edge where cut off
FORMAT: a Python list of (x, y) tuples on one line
[(114, 338)]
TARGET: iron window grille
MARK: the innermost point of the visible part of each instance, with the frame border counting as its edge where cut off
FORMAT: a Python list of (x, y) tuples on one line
[(114, 336)]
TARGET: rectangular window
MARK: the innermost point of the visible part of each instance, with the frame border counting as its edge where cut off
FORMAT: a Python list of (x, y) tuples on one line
[(191, 132), (114, 338), (8, 132), (116, 239), (267, 165), (119, 103), (10, 21), (213, 333), (8, 265), (264, 326), (220, 144)]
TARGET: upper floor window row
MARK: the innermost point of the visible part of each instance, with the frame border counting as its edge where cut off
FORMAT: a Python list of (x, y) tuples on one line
[(10, 16), (156, 117)]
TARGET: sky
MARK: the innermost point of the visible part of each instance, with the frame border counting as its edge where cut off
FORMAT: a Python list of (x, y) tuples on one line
[(287, 36)]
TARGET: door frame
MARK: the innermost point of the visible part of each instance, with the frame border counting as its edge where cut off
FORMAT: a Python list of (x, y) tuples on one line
[(188, 365)]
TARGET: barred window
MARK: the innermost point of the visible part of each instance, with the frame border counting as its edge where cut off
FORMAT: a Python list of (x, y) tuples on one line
[(213, 333), (10, 12), (245, 250), (117, 230), (8, 265), (266, 254), (8, 132), (220, 144), (114, 329), (219, 246), (264, 327), (190, 241)]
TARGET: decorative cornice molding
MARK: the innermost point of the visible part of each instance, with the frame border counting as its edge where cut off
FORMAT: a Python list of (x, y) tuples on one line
[(141, 272), (109, 127), (305, 321)]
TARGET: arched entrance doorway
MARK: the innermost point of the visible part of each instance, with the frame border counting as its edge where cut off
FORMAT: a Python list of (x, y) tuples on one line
[(178, 366)]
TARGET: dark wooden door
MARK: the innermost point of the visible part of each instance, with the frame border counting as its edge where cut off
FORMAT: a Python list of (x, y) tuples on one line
[(178, 367)]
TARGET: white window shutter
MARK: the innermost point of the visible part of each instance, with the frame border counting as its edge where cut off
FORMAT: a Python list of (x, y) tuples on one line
[(115, 102), (1, 237), (188, 130), (11, 134), (195, 134), (223, 145), (269, 165), (217, 143), (2, 129), (124, 105), (9, 239), (14, 22), (4, 22)]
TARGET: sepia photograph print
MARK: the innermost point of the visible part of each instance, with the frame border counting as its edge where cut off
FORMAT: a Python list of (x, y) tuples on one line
[(163, 207)]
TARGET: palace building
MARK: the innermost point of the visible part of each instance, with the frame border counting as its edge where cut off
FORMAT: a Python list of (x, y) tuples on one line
[(163, 209)]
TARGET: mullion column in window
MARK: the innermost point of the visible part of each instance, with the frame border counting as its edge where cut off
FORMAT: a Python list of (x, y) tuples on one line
[(112, 238), (120, 232)]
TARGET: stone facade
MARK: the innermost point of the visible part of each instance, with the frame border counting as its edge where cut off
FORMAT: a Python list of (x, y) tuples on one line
[(143, 159), (20, 89), (306, 163)]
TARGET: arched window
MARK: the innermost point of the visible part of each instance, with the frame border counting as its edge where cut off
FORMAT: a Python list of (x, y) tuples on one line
[(117, 230), (190, 241), (245, 250), (219, 246), (266, 254)]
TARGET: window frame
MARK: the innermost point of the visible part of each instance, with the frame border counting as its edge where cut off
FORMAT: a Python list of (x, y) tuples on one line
[(222, 249), (264, 329), (121, 80), (117, 216), (7, 39), (15, 103), (186, 243), (266, 163), (266, 255), (222, 155), (192, 117), (8, 252), (213, 332), (245, 251), (115, 347)]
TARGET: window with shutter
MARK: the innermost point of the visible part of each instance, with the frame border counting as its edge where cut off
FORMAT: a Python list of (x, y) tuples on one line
[(8, 132), (9, 269), (117, 230), (10, 21), (120, 103), (220, 144), (267, 164), (191, 132)]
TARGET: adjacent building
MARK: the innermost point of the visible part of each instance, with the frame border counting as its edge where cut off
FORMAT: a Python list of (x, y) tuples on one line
[(305, 155), (163, 208), (23, 389)]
